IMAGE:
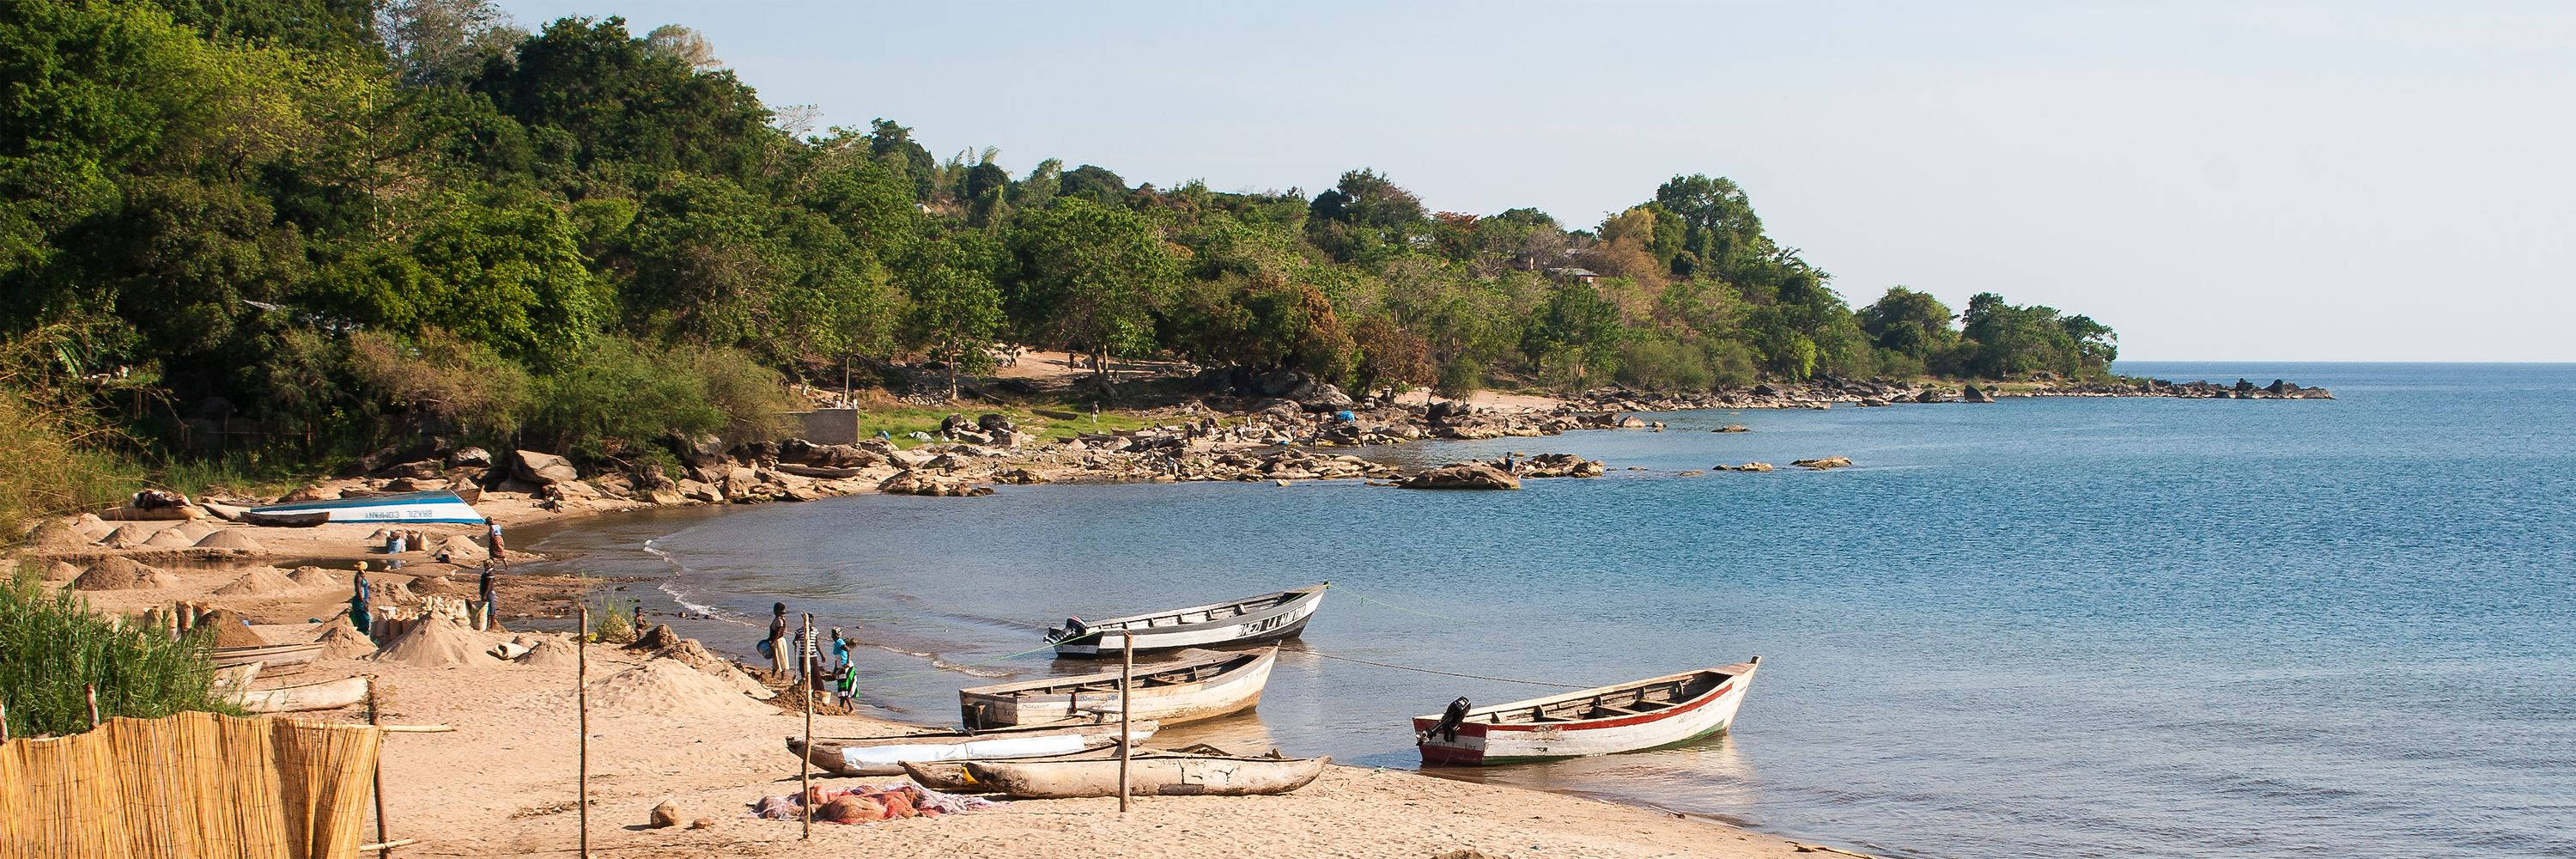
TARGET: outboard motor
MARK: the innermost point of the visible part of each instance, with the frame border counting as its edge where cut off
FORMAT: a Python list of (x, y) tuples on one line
[(1447, 728)]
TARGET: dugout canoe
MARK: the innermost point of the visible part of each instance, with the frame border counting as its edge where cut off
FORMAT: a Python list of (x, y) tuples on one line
[(326, 695), (274, 659), (1646, 714), (1268, 617), (890, 755), (1200, 684), (1159, 775)]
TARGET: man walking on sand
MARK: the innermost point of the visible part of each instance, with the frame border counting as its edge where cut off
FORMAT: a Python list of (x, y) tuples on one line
[(492, 534), (483, 619)]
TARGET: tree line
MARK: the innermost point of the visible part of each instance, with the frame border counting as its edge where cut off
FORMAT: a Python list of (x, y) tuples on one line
[(354, 220)]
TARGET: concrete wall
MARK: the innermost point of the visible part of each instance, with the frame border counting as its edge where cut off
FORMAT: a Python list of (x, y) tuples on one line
[(830, 426)]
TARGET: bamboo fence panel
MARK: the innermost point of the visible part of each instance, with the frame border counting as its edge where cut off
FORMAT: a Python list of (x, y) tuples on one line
[(189, 786)]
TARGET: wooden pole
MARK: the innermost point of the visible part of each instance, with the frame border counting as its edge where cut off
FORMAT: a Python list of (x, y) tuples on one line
[(375, 717), (581, 702), (1126, 741), (93, 704), (805, 762)]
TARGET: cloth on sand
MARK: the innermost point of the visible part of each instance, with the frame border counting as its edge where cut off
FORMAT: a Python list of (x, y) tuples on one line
[(870, 803)]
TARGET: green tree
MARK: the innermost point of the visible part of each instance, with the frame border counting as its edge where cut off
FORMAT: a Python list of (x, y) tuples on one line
[(1089, 278), (956, 306)]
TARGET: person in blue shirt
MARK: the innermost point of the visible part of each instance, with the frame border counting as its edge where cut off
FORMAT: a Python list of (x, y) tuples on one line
[(840, 650)]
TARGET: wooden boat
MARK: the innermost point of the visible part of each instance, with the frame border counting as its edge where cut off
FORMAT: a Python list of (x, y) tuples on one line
[(1201, 684), (406, 507), (326, 695), (889, 755), (274, 659), (232, 677), (1159, 775), (1646, 714), (1268, 617), (952, 776)]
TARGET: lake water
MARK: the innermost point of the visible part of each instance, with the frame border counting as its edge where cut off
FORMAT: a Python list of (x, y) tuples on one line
[(2059, 627)]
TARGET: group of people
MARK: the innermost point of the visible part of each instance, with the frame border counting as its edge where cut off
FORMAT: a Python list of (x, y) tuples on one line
[(792, 655), (480, 612)]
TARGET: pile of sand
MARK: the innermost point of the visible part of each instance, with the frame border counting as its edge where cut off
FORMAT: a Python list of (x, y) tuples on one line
[(313, 577), (169, 538), (341, 640), (126, 536), (231, 540), (59, 571), (434, 643), (265, 580), (462, 550), (58, 535), (229, 629), (119, 574), (436, 586), (549, 652), (664, 687), (194, 529), (690, 653), (89, 525)]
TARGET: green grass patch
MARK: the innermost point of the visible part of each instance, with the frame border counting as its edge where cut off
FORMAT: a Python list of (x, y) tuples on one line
[(54, 650)]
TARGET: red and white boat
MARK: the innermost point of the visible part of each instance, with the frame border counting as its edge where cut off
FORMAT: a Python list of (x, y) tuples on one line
[(1646, 714)]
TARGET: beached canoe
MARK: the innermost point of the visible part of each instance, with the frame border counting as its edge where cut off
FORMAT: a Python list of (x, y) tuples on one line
[(1159, 775), (1646, 714), (326, 695), (232, 677), (1200, 684), (951, 776), (889, 755), (274, 659), (407, 507), (1268, 617)]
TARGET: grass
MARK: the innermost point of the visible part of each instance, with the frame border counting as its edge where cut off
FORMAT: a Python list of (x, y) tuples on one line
[(234, 474), (613, 621), (53, 650), (899, 420)]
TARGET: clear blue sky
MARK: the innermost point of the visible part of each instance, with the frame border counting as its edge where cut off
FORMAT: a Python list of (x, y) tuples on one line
[(2225, 180)]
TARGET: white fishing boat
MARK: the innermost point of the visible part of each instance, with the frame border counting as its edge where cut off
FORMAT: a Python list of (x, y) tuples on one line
[(1646, 714), (407, 507), (888, 755), (1159, 775), (1200, 684), (1268, 617)]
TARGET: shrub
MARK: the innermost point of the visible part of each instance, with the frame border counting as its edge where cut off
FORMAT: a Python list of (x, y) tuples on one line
[(53, 650), (615, 397), (1663, 365)]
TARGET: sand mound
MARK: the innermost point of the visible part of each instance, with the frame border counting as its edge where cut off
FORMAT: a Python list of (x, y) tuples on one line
[(462, 550), (549, 653), (117, 574), (169, 538), (265, 580), (315, 577), (230, 540), (690, 653), (340, 640), (58, 535), (229, 629), (89, 525), (194, 529), (438, 586), (664, 687), (61, 572), (435, 643), (126, 536)]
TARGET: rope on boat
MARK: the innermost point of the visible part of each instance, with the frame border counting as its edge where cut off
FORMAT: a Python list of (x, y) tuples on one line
[(948, 668), (1365, 598), (1313, 652)]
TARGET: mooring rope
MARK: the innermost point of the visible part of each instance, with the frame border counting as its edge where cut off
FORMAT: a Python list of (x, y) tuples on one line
[(949, 668), (1313, 652)]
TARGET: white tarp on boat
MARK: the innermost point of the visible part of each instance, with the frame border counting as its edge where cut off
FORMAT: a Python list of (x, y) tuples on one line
[(405, 507)]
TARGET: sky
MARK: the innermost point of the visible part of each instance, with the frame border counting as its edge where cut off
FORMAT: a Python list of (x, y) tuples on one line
[(2217, 181)]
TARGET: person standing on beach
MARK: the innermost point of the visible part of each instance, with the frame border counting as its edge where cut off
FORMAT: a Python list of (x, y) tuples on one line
[(492, 534), (359, 616), (483, 620), (778, 652)]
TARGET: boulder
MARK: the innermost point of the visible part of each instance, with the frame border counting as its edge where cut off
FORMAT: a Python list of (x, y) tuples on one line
[(541, 469), (1321, 397), (665, 816), (1465, 475), (1752, 466), (994, 422), (470, 457), (1929, 397), (700, 450), (911, 482), (1559, 465), (1733, 428), (1974, 394), (1823, 463)]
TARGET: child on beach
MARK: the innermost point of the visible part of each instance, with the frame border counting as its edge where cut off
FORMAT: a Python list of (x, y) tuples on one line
[(848, 685)]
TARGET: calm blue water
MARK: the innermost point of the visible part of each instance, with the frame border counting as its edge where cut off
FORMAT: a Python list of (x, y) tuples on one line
[(2076, 627)]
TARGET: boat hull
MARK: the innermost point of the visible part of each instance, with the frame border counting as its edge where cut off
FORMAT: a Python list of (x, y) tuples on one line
[(1483, 744), (1174, 775), (274, 659), (890, 755), (413, 507), (328, 695), (1278, 623), (1224, 694)]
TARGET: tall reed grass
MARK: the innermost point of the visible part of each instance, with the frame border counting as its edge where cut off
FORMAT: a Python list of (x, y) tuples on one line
[(54, 649)]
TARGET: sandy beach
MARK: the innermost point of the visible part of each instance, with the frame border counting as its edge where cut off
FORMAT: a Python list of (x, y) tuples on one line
[(503, 783)]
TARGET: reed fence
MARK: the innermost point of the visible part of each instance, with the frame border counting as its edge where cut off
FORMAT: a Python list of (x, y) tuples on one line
[(189, 786)]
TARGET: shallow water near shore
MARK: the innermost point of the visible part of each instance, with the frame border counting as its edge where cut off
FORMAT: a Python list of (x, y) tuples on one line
[(2057, 627)]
